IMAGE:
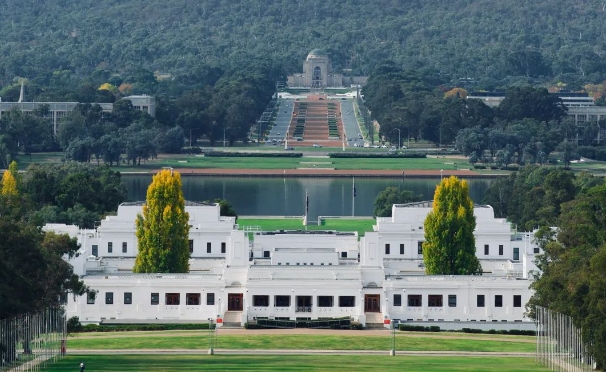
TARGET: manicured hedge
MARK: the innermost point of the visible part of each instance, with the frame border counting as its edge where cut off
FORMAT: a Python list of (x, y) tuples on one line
[(409, 155), (414, 328), (417, 328), (141, 327), (254, 154)]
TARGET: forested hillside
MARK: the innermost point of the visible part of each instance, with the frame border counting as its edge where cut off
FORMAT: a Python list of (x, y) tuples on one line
[(495, 43)]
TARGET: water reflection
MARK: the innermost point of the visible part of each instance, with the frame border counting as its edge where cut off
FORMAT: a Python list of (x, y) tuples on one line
[(286, 196)]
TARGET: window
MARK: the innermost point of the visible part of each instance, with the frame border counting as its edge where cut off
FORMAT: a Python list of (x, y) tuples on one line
[(222, 247), (420, 248), (326, 301), (208, 247), (401, 248), (124, 247), (480, 301), (415, 300), (281, 301), (265, 254), (191, 246), (516, 254), (498, 301), (500, 249), (110, 247), (109, 298), (486, 249), (452, 300), (155, 298), (261, 301), (347, 301), (517, 301), (434, 301), (192, 299), (397, 300), (343, 254), (172, 298), (536, 250), (386, 248), (95, 250), (90, 298), (210, 299), (128, 298)]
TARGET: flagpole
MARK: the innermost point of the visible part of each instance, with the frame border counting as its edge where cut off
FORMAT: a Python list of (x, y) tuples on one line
[(353, 196), (306, 209)]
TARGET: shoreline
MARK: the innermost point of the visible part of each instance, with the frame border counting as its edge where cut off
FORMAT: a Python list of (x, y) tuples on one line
[(322, 173)]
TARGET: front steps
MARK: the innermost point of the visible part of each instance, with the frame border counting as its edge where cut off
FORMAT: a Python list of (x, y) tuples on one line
[(374, 321), (232, 319)]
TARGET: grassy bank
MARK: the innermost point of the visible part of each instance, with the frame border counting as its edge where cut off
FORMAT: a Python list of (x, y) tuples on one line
[(304, 342), (170, 363)]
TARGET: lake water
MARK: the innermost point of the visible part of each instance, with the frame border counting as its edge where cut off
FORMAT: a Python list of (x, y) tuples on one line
[(286, 197)]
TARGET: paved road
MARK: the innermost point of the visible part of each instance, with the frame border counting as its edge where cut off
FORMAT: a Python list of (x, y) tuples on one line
[(280, 128), (350, 124), (291, 352)]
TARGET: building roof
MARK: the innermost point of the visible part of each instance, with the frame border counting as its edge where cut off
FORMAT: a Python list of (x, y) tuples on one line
[(429, 204), (187, 204), (316, 53)]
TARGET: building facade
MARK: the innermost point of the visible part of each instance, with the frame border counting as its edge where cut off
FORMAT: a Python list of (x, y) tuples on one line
[(58, 110), (301, 275), (317, 74)]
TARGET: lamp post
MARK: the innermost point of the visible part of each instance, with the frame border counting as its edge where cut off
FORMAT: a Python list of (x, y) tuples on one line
[(224, 136), (441, 174), (399, 136), (393, 338), (211, 351)]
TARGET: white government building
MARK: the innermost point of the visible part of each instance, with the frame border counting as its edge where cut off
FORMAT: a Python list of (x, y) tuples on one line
[(302, 275)]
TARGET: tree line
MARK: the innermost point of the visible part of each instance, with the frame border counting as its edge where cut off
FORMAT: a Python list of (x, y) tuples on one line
[(528, 126), (209, 103)]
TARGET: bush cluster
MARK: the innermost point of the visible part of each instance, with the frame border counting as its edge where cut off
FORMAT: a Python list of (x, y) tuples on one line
[(253, 154), (513, 168), (140, 327), (191, 150), (414, 328), (409, 155), (418, 328), (595, 153)]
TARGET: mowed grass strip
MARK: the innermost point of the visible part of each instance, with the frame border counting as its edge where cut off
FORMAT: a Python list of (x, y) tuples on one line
[(170, 363), (302, 342), (337, 224)]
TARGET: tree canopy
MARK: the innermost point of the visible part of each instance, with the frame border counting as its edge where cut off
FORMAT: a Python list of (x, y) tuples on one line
[(449, 247), (162, 228), (390, 196)]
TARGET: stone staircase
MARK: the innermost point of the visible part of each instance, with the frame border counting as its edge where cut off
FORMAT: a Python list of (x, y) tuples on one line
[(232, 319), (374, 321)]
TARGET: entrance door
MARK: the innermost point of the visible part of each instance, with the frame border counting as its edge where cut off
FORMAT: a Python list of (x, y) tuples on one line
[(372, 303), (234, 301)]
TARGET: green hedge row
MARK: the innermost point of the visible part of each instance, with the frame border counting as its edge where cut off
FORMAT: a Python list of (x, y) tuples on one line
[(377, 155), (513, 168), (254, 154), (416, 328), (140, 327)]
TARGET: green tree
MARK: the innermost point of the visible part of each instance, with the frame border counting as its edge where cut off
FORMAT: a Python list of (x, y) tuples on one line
[(390, 196), (163, 229), (449, 247)]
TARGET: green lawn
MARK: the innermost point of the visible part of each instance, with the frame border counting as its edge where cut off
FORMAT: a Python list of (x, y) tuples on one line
[(337, 224), (304, 342), (171, 363)]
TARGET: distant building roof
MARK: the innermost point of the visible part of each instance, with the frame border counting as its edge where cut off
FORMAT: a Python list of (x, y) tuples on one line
[(316, 53)]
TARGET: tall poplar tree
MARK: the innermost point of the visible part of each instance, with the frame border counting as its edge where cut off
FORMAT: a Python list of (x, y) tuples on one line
[(10, 180), (450, 246), (163, 229)]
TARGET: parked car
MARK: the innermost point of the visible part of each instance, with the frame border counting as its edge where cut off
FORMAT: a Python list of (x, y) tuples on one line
[(289, 148), (316, 145)]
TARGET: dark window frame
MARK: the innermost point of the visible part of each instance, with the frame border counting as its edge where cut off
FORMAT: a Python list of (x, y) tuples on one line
[(191, 246), (420, 247), (95, 250), (435, 301), (517, 300), (109, 298), (155, 298), (414, 300), (210, 299), (347, 301), (326, 301), (261, 300), (387, 248), (486, 249), (90, 298), (480, 301), (110, 247), (209, 248), (280, 301), (452, 300), (192, 299), (124, 247), (498, 300), (397, 299), (401, 248), (223, 247), (128, 298), (172, 299), (500, 249)]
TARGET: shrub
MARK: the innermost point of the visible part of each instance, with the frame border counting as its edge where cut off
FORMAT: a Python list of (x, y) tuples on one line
[(74, 325), (405, 155), (356, 325), (472, 330), (141, 327), (253, 154), (191, 150)]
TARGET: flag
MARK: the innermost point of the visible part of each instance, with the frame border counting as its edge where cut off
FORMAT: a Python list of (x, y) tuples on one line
[(354, 187), (306, 203)]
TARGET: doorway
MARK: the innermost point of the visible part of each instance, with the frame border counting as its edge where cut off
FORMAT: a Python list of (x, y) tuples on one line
[(234, 301), (372, 303)]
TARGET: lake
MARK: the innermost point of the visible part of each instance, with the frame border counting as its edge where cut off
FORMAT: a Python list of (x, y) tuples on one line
[(286, 196)]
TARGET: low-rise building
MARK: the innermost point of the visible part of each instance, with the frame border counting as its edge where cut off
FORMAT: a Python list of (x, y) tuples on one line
[(303, 275)]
